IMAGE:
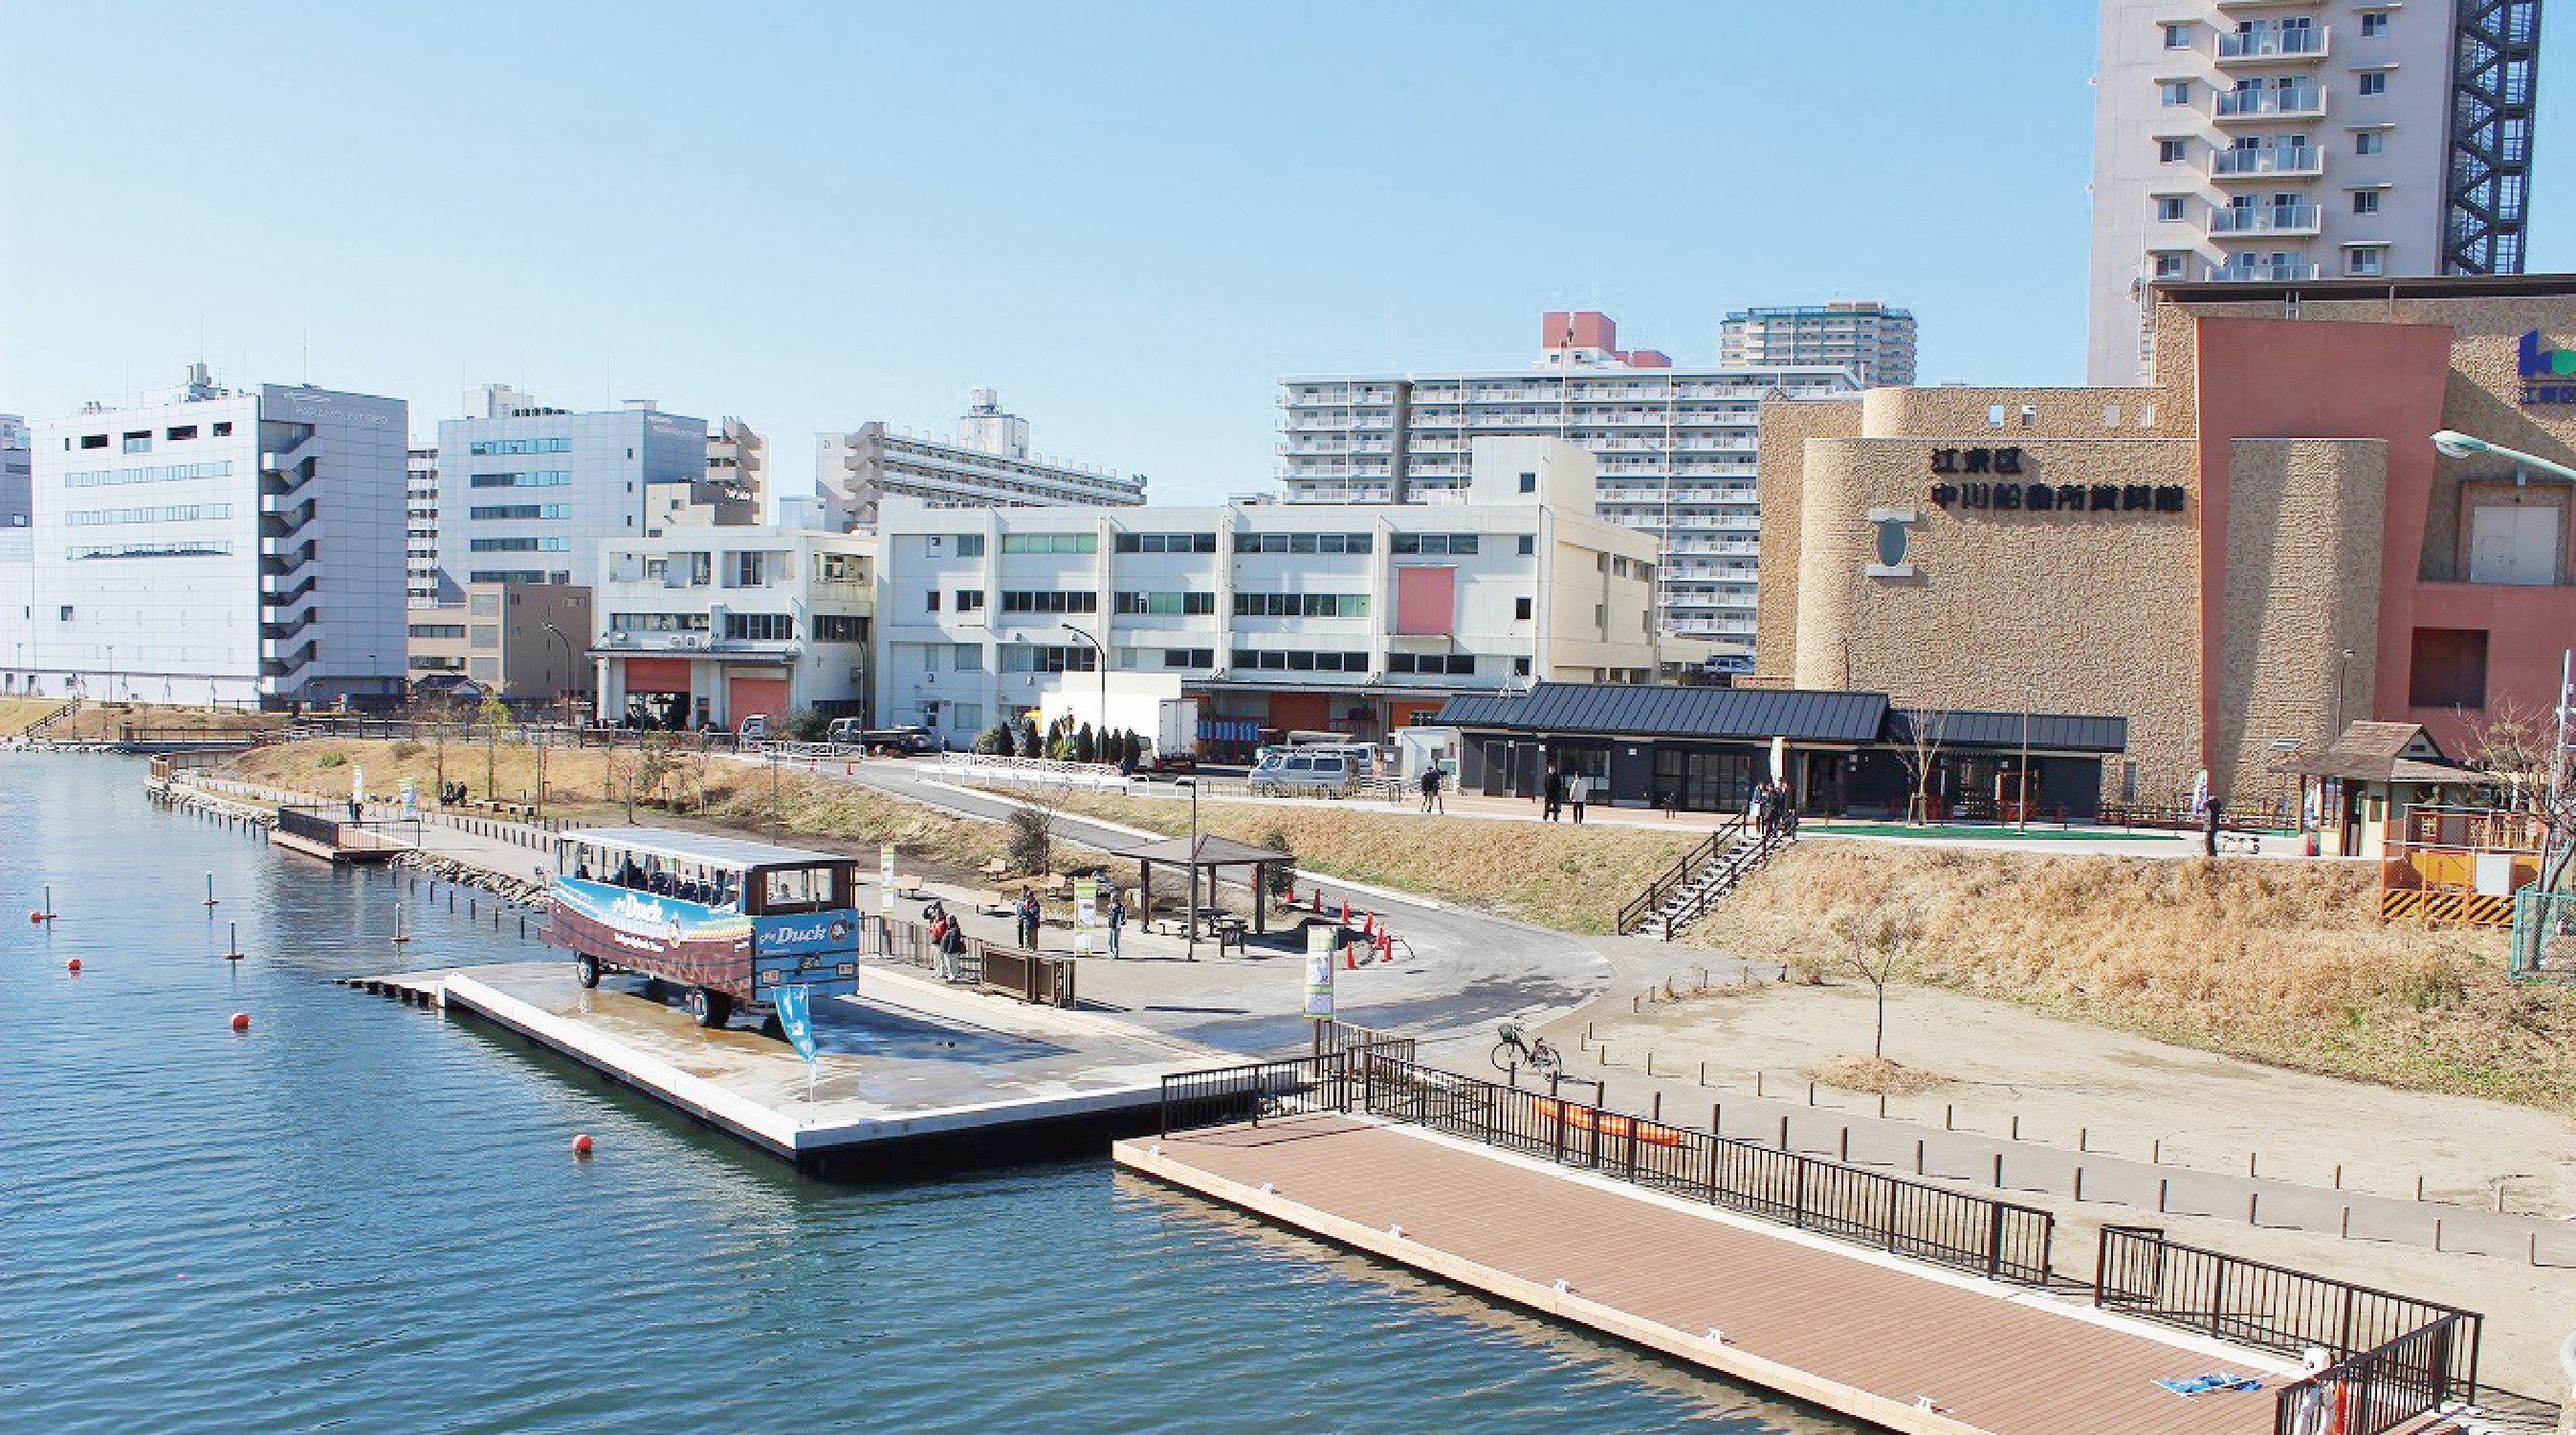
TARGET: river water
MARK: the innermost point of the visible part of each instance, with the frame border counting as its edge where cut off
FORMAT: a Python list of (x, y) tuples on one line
[(358, 1216)]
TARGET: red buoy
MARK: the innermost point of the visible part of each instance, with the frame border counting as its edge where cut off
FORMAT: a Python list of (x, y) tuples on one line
[(241, 1021), (73, 965), (581, 1143), (35, 916)]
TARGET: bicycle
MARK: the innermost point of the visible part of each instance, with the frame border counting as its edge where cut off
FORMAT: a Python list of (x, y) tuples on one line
[(1517, 1048)]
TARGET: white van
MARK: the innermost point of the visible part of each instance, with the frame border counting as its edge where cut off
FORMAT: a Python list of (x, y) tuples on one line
[(1304, 772)]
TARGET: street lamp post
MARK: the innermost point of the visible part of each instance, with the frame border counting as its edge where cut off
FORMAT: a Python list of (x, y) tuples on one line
[(1100, 658), (564, 693), (1192, 868), (2451, 443), (2021, 817)]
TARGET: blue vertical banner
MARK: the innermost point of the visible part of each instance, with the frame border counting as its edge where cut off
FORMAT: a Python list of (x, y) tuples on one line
[(797, 1020)]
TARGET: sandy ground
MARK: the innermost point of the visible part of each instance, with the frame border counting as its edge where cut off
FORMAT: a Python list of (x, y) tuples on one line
[(2131, 1097)]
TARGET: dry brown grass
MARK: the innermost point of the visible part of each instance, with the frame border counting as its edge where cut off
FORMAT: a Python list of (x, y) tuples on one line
[(1562, 876), (1875, 1076), (2280, 962), (100, 721), (816, 810)]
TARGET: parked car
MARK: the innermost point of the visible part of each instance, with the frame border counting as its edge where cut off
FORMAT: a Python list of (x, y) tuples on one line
[(1295, 773), (755, 728)]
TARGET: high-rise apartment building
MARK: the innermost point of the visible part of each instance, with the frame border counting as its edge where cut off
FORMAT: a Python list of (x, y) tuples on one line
[(988, 466), (2287, 140), (420, 532), (217, 545), (1872, 340), (1675, 448), (526, 493)]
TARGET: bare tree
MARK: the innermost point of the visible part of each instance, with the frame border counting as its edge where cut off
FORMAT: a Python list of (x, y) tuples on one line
[(1881, 938), (2535, 779), (1921, 754)]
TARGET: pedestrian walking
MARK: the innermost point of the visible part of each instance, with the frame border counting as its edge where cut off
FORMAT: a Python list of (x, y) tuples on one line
[(1028, 914), (951, 946), (1431, 788), (1552, 794), (1577, 788), (1117, 920)]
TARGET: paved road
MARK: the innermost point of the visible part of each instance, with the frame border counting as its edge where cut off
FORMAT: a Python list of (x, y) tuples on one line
[(1464, 971)]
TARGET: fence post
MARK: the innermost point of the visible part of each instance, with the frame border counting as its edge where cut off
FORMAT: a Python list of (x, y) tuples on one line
[(1798, 1213), (1994, 1239)]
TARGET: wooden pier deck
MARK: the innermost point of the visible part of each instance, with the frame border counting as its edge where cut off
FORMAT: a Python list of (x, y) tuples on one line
[(1906, 1346)]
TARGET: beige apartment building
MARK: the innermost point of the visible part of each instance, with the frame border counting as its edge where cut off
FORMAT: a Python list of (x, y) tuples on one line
[(523, 639)]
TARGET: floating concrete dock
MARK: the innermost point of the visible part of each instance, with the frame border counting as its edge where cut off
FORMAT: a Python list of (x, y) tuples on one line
[(909, 1071), (1903, 1345)]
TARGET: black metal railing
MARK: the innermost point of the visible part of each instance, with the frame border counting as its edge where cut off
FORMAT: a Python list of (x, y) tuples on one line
[(2394, 1357), (1638, 910), (311, 824), (1741, 864), (1973, 1233)]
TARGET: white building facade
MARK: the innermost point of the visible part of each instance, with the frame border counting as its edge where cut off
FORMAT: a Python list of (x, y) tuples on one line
[(526, 493), (1675, 448), (218, 545), (705, 626), (17, 472), (1358, 618), (1872, 340), (2284, 140), (989, 465)]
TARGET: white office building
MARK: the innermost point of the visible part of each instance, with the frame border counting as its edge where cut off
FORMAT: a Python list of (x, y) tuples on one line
[(1675, 448), (1872, 340), (1356, 618), (526, 493), (240, 546), (705, 626), (2284, 140), (989, 464)]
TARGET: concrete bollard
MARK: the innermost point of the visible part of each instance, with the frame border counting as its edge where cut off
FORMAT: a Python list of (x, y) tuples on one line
[(1784, 1133)]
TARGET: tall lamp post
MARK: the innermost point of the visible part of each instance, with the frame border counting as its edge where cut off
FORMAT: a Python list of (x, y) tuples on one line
[(2021, 816), (565, 692), (1192, 868), (1100, 659)]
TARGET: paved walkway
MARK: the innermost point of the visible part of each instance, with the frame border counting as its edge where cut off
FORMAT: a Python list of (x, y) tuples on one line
[(1911, 1347)]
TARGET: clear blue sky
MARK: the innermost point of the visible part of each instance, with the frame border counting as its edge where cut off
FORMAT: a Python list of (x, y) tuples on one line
[(1132, 218)]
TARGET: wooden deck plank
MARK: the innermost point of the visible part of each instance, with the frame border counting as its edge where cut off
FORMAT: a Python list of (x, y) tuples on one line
[(1990, 1364)]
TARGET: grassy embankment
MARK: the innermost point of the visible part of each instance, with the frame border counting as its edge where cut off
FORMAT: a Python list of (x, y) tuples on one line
[(2278, 962), (580, 783), (99, 721), (1554, 875)]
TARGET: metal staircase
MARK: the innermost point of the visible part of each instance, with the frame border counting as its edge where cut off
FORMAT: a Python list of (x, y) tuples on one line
[(289, 563), (1704, 874), (43, 725)]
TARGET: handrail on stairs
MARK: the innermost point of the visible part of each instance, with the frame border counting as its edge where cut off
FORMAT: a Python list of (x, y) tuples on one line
[(1634, 913)]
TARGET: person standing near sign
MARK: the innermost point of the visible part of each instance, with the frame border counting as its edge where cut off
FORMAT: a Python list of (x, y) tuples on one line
[(1431, 788), (1552, 795), (1117, 918), (1577, 789), (1028, 913)]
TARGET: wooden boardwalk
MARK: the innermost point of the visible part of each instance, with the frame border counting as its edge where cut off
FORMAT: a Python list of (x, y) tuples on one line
[(1865, 1334)]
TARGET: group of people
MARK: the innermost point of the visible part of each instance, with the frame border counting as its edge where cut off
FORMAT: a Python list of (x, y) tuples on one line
[(1563, 790), (1028, 916), (450, 793), (1772, 811), (661, 881)]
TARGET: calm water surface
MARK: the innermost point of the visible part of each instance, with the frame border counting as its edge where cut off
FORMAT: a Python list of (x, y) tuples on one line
[(360, 1217)]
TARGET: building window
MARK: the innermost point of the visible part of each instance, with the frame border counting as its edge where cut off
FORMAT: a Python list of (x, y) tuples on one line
[(2171, 151), (180, 432), (840, 628), (1528, 544), (1171, 604), (138, 442), (520, 445), (761, 627), (1299, 605), (1050, 543), (1164, 543), (1436, 545), (1529, 483), (487, 635), (1520, 667), (2177, 36), (1521, 609), (2374, 82), (966, 658), (2365, 262), (2169, 207), (2365, 201), (2373, 26), (657, 622), (1305, 543), (438, 630), (224, 429), (750, 570), (966, 717), (2169, 266), (2176, 92), (1050, 601), (969, 600), (970, 545), (1300, 662), (1189, 657), (844, 568), (2448, 669), (1455, 665), (1030, 658), (2369, 142), (932, 601)]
